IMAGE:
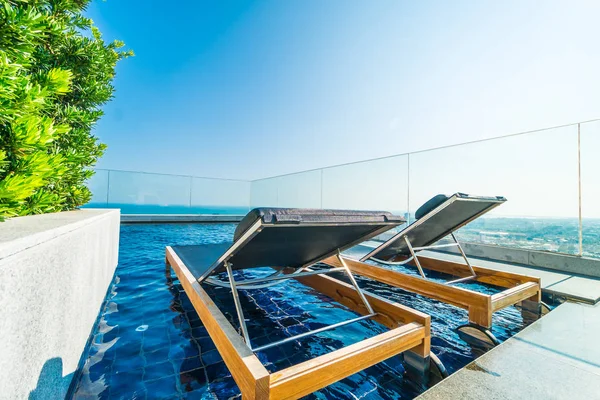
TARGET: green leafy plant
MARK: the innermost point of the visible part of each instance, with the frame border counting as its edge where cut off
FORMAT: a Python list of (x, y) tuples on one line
[(55, 74)]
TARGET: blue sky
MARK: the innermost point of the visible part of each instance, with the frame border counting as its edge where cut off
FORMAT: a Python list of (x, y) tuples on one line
[(254, 89)]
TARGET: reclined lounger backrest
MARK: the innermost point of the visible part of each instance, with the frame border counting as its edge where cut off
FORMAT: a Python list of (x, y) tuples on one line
[(291, 237), (436, 219)]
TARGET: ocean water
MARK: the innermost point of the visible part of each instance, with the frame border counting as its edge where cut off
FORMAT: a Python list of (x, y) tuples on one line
[(150, 343)]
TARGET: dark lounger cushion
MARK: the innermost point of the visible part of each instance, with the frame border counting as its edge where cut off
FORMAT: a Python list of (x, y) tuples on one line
[(456, 211), (298, 215), (430, 204)]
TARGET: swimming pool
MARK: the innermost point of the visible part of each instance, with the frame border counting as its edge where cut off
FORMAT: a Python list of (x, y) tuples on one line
[(149, 342)]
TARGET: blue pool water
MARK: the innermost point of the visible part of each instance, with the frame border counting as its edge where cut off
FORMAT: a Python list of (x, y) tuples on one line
[(149, 342)]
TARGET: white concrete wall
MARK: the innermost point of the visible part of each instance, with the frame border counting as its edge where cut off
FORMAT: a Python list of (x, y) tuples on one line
[(54, 273)]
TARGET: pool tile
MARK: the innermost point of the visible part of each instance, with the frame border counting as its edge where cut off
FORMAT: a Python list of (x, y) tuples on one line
[(211, 357), (206, 344), (176, 353), (127, 390), (157, 371), (157, 356), (129, 363), (191, 350), (125, 378), (189, 364), (193, 379), (162, 388), (201, 393), (199, 332), (192, 316), (217, 371), (225, 388)]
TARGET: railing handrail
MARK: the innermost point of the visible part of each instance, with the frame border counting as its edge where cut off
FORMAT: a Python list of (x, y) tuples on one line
[(180, 175)]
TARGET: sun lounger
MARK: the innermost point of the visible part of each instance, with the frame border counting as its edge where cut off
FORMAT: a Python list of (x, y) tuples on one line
[(439, 217), (291, 241)]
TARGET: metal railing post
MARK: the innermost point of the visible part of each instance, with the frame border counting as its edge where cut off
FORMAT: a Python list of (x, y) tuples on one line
[(191, 184), (321, 188), (579, 190), (408, 188)]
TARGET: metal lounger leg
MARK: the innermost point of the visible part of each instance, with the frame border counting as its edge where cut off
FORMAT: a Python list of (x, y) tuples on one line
[(351, 277), (464, 256), (310, 333), (240, 313), (238, 305), (384, 262), (328, 327), (414, 255)]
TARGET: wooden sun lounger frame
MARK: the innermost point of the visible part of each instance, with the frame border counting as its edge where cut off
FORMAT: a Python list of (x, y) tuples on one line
[(519, 288), (409, 331)]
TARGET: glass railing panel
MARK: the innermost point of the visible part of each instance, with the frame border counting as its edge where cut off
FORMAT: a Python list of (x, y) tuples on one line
[(536, 172), (590, 188), (263, 193), (219, 196), (380, 184), (301, 190), (145, 193), (98, 185)]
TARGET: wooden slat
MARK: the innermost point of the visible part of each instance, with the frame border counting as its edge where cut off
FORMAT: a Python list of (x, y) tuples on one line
[(514, 295), (456, 296), (248, 372), (484, 275), (479, 305), (302, 379)]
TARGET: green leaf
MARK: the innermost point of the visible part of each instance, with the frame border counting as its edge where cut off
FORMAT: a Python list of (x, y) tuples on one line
[(56, 73)]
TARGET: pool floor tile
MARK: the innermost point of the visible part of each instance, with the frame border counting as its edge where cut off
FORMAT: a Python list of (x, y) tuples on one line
[(157, 371), (123, 364), (189, 364), (211, 357), (217, 371), (162, 388)]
